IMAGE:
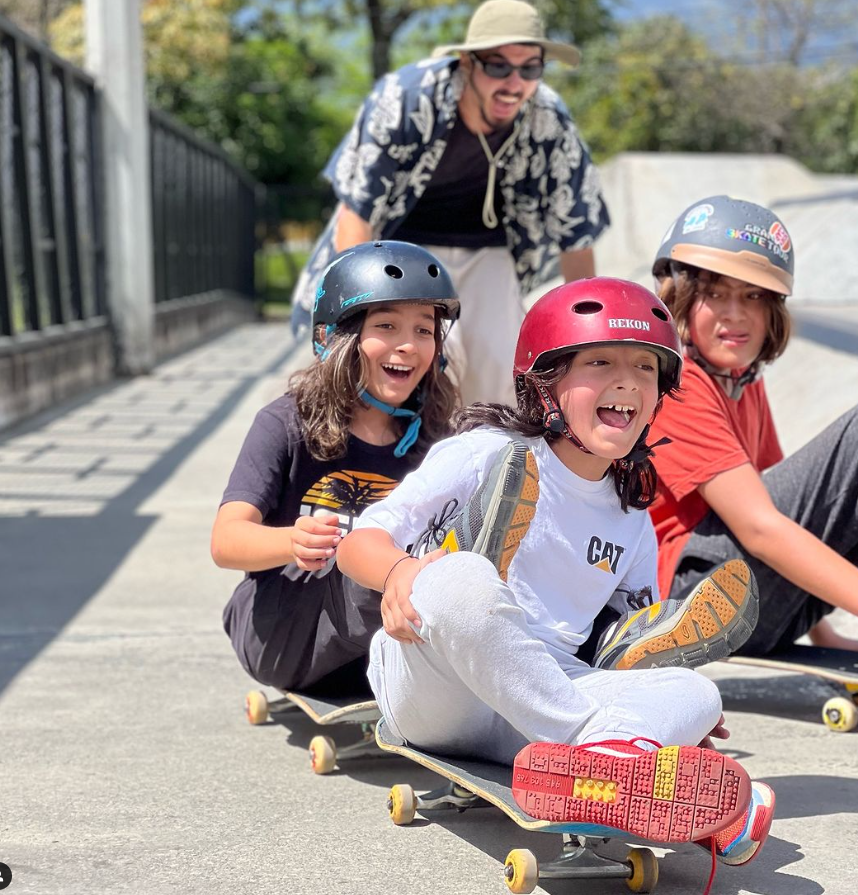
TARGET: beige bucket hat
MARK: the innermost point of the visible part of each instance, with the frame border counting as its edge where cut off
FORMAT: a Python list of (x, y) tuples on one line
[(498, 22)]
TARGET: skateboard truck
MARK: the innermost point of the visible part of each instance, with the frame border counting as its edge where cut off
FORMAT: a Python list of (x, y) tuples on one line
[(578, 858)]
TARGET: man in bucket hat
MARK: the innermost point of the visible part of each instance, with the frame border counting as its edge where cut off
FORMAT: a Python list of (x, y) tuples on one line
[(471, 155)]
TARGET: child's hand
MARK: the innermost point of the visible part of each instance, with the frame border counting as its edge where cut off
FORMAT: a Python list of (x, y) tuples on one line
[(396, 609), (314, 540), (719, 732)]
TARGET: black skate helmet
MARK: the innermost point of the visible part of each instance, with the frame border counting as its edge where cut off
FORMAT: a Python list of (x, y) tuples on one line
[(381, 272), (730, 237)]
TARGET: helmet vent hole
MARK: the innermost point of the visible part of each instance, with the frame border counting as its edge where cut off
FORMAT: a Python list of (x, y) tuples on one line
[(393, 271), (587, 307), (378, 245), (433, 270), (662, 315)]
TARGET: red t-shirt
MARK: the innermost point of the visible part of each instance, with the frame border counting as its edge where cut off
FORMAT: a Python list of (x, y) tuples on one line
[(710, 434)]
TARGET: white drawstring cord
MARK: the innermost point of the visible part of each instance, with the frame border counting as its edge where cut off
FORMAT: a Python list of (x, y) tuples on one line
[(490, 219)]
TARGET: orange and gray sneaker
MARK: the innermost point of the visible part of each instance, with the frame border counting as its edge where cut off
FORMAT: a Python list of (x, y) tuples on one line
[(672, 794), (712, 622), (496, 518)]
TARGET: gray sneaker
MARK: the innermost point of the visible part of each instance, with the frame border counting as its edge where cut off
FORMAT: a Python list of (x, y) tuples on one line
[(496, 518), (714, 620)]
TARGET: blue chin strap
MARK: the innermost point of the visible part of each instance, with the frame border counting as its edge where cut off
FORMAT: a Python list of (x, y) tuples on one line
[(411, 433)]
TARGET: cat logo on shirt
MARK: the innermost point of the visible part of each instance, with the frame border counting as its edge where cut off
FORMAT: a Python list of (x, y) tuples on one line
[(604, 555)]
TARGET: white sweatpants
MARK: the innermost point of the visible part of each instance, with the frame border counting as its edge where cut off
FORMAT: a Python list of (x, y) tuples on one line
[(483, 684), (481, 346)]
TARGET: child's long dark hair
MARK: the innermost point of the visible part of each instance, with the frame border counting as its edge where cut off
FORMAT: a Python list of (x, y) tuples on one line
[(327, 393), (634, 476)]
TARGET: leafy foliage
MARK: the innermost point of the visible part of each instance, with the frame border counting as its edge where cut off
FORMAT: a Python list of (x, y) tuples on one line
[(276, 82), (256, 88)]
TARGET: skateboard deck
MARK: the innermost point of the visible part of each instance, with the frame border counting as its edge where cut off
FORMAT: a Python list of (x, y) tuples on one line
[(324, 754), (839, 713), (473, 783)]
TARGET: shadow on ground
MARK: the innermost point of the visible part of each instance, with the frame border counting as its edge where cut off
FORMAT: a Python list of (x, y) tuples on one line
[(685, 869), (52, 565)]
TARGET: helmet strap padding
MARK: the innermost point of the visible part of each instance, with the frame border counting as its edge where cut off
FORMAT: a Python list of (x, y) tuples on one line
[(554, 421)]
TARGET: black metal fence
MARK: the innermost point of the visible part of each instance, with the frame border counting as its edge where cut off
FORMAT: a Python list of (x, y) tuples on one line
[(52, 264), (51, 252), (203, 215)]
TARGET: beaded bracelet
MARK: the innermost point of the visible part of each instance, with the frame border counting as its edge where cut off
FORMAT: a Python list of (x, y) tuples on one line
[(398, 561)]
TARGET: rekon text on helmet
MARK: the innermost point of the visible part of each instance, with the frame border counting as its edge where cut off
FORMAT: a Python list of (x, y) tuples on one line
[(597, 311)]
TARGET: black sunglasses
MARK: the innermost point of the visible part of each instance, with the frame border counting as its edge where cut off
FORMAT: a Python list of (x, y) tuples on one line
[(530, 71)]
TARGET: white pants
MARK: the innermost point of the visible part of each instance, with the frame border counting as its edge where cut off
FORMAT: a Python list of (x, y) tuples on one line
[(483, 684), (481, 346)]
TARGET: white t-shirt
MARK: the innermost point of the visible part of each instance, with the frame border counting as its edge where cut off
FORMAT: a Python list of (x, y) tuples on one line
[(580, 548)]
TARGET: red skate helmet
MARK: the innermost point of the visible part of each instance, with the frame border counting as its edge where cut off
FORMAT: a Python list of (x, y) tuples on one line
[(598, 311)]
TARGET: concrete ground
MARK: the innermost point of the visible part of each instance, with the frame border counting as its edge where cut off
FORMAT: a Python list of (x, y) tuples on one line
[(126, 764)]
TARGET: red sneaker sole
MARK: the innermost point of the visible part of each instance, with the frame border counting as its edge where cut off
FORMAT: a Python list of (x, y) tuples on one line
[(673, 794)]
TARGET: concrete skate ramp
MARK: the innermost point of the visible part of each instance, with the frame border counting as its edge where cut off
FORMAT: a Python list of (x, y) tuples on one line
[(646, 191)]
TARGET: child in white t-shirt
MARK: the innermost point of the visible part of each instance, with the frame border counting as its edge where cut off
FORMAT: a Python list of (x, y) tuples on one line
[(536, 514)]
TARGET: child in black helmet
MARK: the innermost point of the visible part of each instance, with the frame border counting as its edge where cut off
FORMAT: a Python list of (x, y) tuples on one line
[(725, 270), (349, 428)]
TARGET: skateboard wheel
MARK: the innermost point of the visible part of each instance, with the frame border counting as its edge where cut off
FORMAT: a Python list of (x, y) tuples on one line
[(521, 871), (644, 866), (840, 714), (401, 804), (323, 755), (256, 707)]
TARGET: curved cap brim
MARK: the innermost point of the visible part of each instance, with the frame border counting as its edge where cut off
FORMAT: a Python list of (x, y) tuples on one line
[(745, 265), (561, 52)]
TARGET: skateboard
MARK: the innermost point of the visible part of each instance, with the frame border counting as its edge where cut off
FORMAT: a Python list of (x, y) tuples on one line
[(473, 784), (324, 754), (839, 713)]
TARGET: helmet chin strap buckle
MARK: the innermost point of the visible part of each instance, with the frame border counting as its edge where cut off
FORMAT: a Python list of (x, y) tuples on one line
[(554, 421)]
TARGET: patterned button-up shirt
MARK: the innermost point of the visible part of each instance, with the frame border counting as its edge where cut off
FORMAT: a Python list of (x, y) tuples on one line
[(552, 199)]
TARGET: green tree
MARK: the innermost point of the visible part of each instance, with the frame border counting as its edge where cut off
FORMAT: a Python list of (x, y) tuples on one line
[(266, 106), (825, 136), (580, 21), (657, 86), (429, 22), (33, 16), (258, 88)]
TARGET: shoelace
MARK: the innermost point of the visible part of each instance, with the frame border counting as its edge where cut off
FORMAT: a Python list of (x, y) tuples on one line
[(640, 599), (436, 525), (712, 871), (658, 745)]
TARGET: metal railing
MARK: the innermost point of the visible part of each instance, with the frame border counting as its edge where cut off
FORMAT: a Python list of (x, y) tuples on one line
[(203, 214), (52, 264), (51, 250)]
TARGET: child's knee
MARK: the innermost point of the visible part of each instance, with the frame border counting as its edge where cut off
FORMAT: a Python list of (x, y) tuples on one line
[(705, 693), (458, 584)]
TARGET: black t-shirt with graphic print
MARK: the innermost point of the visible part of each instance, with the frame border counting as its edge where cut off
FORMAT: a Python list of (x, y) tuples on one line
[(276, 474), (291, 628)]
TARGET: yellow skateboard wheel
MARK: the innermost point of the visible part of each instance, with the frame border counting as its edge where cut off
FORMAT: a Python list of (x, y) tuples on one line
[(323, 755), (521, 871), (256, 707), (644, 866), (840, 714), (401, 804)]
